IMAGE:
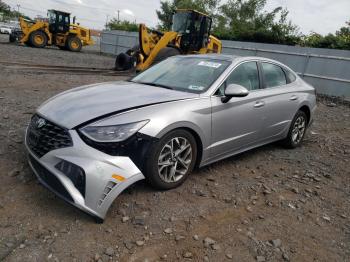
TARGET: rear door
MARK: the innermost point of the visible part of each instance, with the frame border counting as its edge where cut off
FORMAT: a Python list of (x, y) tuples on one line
[(281, 99)]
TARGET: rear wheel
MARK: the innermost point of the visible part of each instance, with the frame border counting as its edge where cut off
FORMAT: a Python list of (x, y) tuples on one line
[(296, 131), (165, 53), (74, 44), (38, 39), (171, 159)]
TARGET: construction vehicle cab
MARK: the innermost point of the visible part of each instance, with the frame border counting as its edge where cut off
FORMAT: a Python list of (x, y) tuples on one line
[(190, 34), (56, 30), (59, 22), (194, 28)]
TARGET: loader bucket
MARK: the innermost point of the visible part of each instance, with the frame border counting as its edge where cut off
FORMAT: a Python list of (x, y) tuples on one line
[(124, 62)]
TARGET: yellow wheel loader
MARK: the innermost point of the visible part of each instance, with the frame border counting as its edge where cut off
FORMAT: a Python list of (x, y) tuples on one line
[(56, 30), (190, 34)]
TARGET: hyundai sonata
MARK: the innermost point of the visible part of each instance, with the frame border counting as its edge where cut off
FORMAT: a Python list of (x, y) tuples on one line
[(90, 143)]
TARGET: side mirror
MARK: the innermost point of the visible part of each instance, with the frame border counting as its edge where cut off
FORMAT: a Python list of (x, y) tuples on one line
[(234, 90)]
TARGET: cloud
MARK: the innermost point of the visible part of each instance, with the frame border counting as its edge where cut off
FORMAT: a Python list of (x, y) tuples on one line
[(128, 12)]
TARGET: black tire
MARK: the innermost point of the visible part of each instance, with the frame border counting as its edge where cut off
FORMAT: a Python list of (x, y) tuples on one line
[(290, 141), (151, 169), (12, 38), (132, 50), (74, 44), (34, 39), (165, 53)]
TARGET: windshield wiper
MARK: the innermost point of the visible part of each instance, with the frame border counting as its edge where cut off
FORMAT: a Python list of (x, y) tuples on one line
[(157, 85)]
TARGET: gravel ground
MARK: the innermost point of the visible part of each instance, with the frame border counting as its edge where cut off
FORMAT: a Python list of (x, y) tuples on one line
[(268, 204)]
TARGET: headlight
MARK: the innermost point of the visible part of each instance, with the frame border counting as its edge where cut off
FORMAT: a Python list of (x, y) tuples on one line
[(112, 133)]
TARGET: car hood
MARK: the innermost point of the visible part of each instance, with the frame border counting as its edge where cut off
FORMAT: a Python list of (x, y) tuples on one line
[(79, 105)]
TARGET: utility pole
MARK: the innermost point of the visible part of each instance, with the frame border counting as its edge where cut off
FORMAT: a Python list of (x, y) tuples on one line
[(18, 6), (118, 15), (107, 16)]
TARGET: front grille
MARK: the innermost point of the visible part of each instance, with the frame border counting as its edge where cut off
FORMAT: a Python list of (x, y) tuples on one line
[(50, 179), (44, 136)]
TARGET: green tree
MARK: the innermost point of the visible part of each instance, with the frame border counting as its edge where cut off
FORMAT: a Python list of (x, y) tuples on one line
[(247, 20), (167, 8), (339, 40), (124, 25)]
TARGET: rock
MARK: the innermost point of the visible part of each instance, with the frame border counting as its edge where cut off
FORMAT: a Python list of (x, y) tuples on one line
[(140, 243), (125, 219), (97, 257), (215, 247), (229, 256), (109, 251), (331, 104), (295, 190), (179, 237), (326, 218), (139, 220), (208, 241), (249, 209), (196, 237), (9, 244), (168, 230), (187, 254), (285, 256), (260, 259), (276, 242), (14, 172), (109, 230), (121, 212), (21, 246)]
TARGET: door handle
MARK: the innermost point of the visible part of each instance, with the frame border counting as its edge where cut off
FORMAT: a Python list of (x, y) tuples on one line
[(259, 104), (293, 98)]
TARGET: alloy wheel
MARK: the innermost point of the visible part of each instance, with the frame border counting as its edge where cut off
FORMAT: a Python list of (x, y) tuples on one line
[(175, 159), (298, 129)]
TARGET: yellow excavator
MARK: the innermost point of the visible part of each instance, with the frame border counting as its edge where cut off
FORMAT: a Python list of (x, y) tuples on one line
[(56, 30), (190, 34)]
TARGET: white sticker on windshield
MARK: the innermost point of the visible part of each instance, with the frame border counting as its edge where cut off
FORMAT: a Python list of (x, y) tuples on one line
[(198, 88), (209, 64)]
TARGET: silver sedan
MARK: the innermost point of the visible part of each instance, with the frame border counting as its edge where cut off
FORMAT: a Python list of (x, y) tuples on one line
[(90, 143)]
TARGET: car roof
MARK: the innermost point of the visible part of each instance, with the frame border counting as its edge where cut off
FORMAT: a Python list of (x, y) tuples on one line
[(231, 58)]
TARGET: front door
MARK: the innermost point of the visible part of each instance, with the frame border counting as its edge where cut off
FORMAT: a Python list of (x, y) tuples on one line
[(238, 123)]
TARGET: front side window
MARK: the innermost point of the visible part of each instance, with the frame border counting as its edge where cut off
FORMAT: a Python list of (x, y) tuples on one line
[(273, 75), (187, 74), (246, 75)]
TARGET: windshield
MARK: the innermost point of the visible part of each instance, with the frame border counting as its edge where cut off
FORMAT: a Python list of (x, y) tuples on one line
[(52, 17), (189, 74), (181, 22)]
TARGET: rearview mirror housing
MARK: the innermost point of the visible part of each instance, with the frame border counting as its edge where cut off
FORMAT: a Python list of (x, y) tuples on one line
[(234, 90)]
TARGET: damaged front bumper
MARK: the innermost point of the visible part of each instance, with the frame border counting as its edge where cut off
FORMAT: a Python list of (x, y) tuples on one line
[(83, 176)]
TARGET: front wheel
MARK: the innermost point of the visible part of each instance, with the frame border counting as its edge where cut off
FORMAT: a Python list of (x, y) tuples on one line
[(38, 39), (296, 131), (171, 160)]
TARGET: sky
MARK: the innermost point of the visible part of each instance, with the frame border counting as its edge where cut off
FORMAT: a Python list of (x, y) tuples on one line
[(321, 16)]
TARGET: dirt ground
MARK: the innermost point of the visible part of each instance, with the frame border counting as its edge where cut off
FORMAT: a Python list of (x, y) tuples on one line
[(268, 204)]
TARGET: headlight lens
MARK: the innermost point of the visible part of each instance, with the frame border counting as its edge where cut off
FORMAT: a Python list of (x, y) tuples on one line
[(112, 133)]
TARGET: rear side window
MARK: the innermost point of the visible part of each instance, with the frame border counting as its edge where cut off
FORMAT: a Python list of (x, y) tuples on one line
[(273, 75), (290, 76)]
